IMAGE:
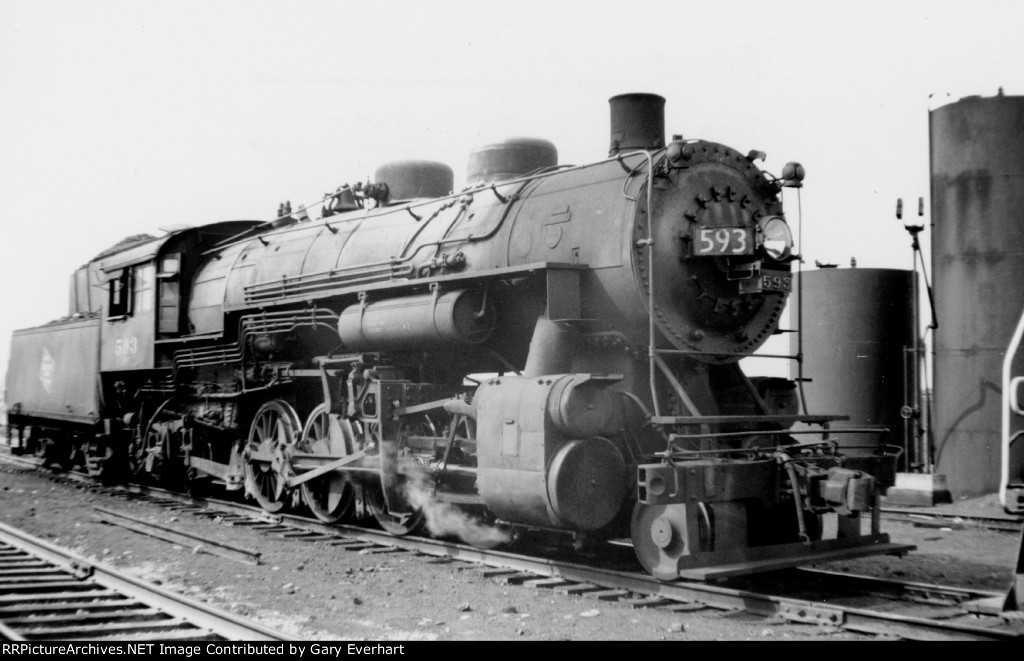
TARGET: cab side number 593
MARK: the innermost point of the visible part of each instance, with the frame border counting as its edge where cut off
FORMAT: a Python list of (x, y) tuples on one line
[(126, 346)]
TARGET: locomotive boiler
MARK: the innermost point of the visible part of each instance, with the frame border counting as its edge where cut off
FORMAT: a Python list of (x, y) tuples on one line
[(553, 347)]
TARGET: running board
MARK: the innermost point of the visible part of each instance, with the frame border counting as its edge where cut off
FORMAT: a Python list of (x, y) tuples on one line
[(716, 565)]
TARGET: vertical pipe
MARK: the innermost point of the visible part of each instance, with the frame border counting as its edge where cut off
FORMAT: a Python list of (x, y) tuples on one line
[(651, 351), (915, 308), (800, 307), (906, 459)]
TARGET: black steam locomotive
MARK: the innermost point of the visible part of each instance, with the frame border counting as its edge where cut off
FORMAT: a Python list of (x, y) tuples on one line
[(554, 347)]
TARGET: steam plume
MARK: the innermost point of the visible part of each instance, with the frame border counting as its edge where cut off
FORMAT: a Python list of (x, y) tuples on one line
[(444, 519)]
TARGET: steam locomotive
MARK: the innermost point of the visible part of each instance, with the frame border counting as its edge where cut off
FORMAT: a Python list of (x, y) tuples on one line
[(554, 347)]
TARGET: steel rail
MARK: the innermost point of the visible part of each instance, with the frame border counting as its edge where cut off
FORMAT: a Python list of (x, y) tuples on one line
[(198, 543), (720, 597), (711, 596), (183, 612), (1008, 523), (708, 595)]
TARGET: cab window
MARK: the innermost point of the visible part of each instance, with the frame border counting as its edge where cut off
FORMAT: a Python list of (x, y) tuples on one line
[(143, 286), (120, 289), (131, 290)]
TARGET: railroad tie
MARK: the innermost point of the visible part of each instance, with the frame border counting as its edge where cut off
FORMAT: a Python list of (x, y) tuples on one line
[(515, 579), (648, 602), (489, 572), (579, 588), (547, 583), (609, 595)]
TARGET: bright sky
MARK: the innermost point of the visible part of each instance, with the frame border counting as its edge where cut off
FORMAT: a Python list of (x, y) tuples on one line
[(119, 117)]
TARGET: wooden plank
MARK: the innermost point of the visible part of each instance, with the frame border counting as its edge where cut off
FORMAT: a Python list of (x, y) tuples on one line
[(649, 602), (515, 579), (81, 604), (548, 583), (61, 596), (582, 588), (23, 586), (45, 569), (494, 572), (66, 633), (68, 618)]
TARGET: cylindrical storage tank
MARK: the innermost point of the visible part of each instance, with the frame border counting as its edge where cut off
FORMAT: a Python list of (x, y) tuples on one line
[(509, 159), (638, 122), (857, 327), (409, 180), (977, 202)]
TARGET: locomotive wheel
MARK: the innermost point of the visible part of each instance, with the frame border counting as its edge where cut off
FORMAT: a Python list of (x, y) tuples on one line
[(272, 435), (142, 459), (100, 465), (331, 498), (155, 458), (660, 537), (55, 452), (40, 448), (395, 524)]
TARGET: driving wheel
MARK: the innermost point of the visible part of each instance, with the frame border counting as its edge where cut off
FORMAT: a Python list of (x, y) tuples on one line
[(330, 497), (272, 435)]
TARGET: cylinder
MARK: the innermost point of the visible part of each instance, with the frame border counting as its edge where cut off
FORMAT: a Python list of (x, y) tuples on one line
[(509, 159), (409, 180), (416, 322), (529, 471), (581, 407), (857, 341), (977, 202), (586, 483), (637, 122)]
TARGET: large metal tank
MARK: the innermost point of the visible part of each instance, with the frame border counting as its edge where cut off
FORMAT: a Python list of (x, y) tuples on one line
[(977, 197), (52, 372), (857, 325)]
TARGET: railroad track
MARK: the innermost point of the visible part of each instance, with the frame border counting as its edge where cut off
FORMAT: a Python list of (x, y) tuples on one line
[(51, 593), (1007, 523), (862, 604), (898, 609)]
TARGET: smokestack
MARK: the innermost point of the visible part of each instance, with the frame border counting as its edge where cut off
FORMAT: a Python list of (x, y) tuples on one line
[(638, 122)]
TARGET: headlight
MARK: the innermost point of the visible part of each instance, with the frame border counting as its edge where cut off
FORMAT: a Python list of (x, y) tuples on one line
[(776, 239)]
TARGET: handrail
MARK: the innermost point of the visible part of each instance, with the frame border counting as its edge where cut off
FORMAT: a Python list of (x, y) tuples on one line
[(652, 352), (1008, 394)]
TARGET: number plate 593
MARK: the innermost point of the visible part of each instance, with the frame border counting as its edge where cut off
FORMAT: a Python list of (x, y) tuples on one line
[(713, 241), (768, 281)]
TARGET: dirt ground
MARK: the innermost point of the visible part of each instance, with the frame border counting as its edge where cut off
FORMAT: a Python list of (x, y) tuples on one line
[(314, 591)]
